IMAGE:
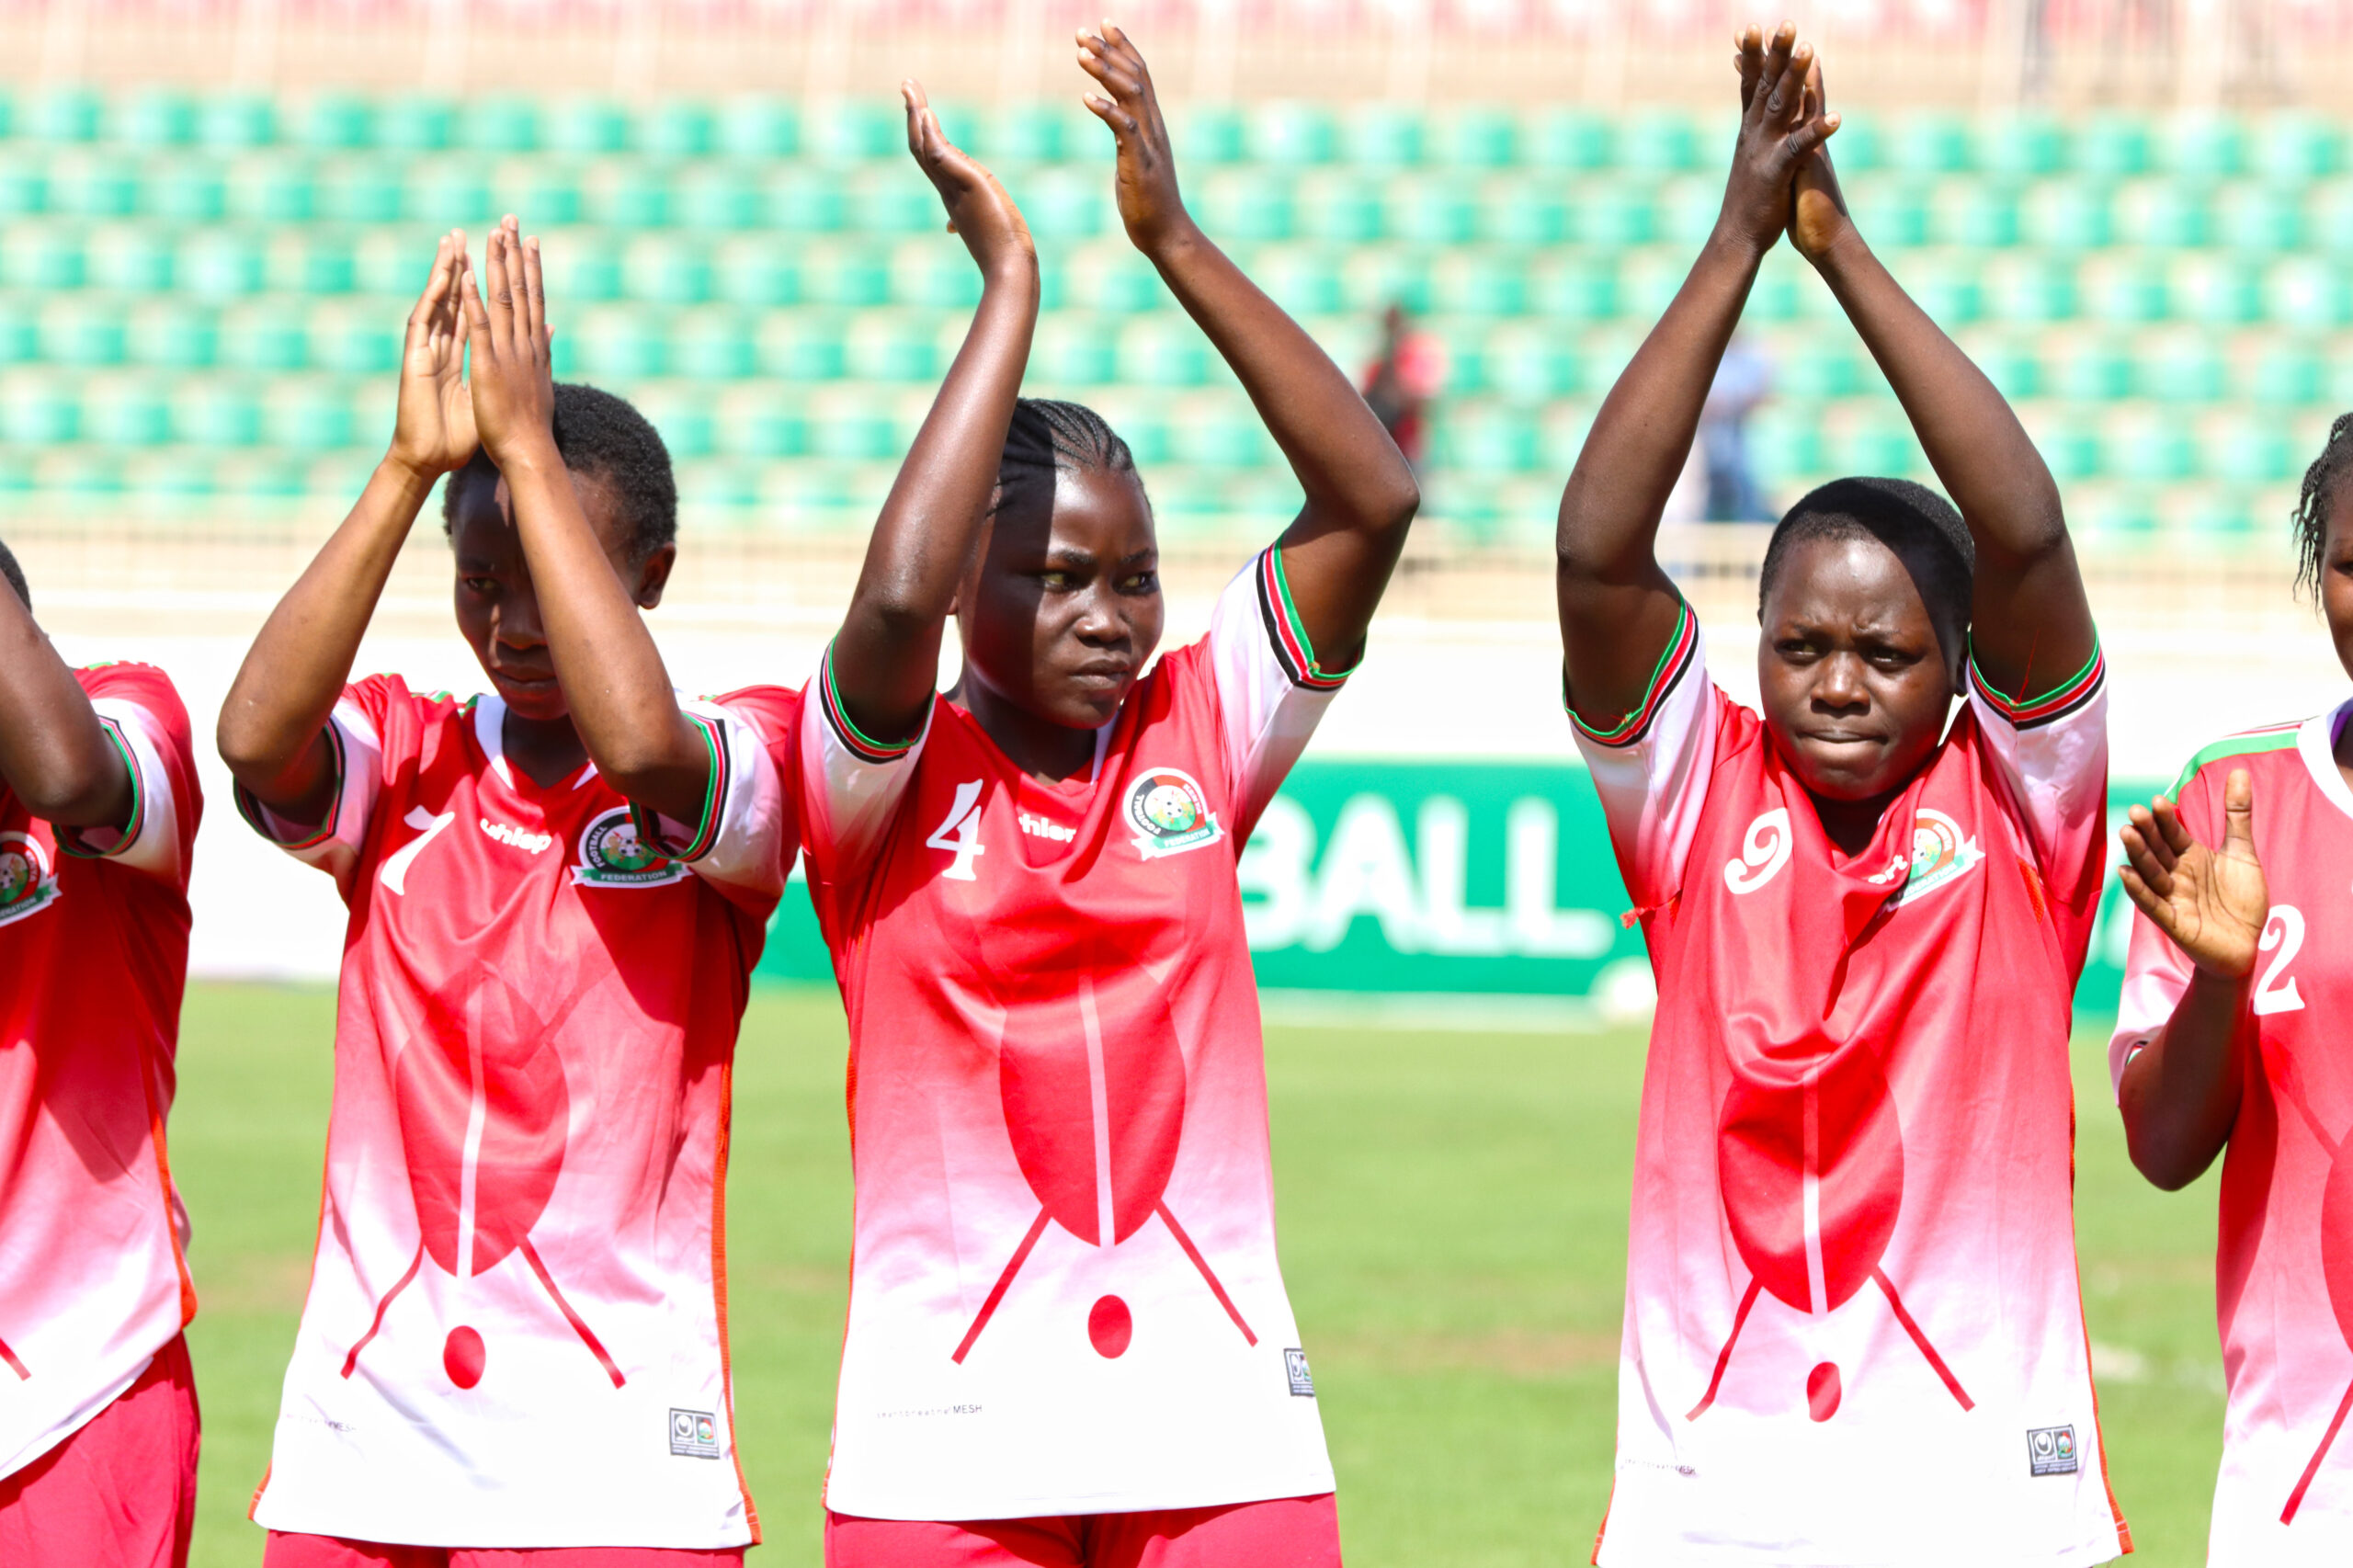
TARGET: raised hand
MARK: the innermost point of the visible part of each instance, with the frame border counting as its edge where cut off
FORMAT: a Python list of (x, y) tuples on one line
[(2212, 905), (979, 211), (1818, 216), (1780, 126), (433, 425), (512, 381), (1146, 181)]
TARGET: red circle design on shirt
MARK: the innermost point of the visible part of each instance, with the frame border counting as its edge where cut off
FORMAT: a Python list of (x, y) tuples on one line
[(1110, 1327), (464, 1356), (1822, 1391)]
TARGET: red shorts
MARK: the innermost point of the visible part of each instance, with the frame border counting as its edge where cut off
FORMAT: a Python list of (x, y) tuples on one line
[(330, 1552), (120, 1492), (1289, 1532)]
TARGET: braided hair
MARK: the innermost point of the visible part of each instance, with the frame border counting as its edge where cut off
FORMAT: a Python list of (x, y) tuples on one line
[(2311, 516), (1048, 436), (14, 576), (1920, 525)]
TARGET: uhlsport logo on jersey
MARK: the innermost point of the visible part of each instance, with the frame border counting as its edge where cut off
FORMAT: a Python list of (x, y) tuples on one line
[(2050, 1450), (1170, 813), (26, 885), (1941, 853), (613, 854)]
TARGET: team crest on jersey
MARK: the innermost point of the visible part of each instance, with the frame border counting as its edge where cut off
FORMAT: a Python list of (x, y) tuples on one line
[(1170, 813), (26, 884), (1940, 854), (614, 855)]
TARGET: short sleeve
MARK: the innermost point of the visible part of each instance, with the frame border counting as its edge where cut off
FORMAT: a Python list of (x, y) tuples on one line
[(1651, 767), (2054, 751), (355, 733), (743, 837), (1271, 690), (147, 725), (850, 784)]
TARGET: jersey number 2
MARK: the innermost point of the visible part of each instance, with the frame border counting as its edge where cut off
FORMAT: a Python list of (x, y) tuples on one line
[(2276, 992), (959, 832)]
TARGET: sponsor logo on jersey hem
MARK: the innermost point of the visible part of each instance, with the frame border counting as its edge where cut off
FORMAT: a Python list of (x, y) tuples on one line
[(1170, 813), (694, 1435), (1302, 1382), (613, 855), (28, 884), (1941, 853), (2050, 1450)]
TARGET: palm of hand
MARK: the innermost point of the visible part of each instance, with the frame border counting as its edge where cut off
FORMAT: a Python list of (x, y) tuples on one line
[(2219, 905), (1817, 212)]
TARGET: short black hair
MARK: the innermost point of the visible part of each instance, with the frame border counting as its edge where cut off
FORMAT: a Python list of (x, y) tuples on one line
[(15, 575), (603, 437), (1921, 527), (1047, 435), (2318, 496)]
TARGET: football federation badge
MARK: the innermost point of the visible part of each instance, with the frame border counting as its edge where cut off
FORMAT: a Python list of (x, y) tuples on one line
[(1941, 853), (614, 855), (1170, 813), (26, 884)]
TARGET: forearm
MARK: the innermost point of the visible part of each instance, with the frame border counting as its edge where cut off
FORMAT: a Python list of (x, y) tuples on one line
[(2180, 1092), (54, 755), (271, 724)]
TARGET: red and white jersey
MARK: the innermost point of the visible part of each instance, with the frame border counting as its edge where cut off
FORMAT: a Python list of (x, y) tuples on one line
[(515, 1331), (1065, 1298), (1853, 1331), (93, 959), (2283, 1272)]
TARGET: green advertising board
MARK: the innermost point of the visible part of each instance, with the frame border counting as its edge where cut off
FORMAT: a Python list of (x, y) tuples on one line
[(1449, 880)]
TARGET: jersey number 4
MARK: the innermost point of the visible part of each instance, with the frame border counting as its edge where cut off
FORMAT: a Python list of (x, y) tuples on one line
[(959, 832)]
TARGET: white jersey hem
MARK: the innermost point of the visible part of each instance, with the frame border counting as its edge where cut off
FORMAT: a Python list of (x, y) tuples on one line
[(976, 1505), (400, 1529), (44, 1442)]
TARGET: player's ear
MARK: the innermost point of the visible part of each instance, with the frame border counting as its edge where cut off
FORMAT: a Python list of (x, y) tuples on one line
[(654, 575)]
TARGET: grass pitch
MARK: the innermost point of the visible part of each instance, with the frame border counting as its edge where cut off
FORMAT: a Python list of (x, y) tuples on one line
[(1453, 1217)]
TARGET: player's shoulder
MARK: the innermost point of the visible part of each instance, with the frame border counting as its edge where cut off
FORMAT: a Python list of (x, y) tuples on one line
[(773, 711), (2260, 749), (145, 685)]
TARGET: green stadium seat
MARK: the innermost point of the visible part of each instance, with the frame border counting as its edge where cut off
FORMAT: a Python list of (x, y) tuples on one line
[(1289, 132), (1110, 276), (683, 413), (1304, 280), (758, 270), (2146, 445), (898, 345), (2180, 366), (81, 330), (41, 255), (218, 263), (1567, 139), (935, 270), (621, 343), (448, 193), (1075, 350), (2292, 146), (187, 190), (1068, 203), (722, 484), (1382, 136), (1206, 133), (757, 126), (2161, 212), (856, 130), (667, 269), (676, 128), (583, 127), (1821, 370), (170, 477), (1779, 293), (2245, 449), (799, 346), (2251, 217), (213, 411), (1373, 278), (849, 422), (1241, 205), (2216, 288), (170, 334), (154, 116), (711, 343), (1613, 212), (2284, 372), (2123, 286), (627, 193), (136, 259), (1517, 210), (1479, 281), (266, 476), (1141, 420), (502, 123), (1486, 435), (306, 413), (1338, 207), (268, 335), (1213, 431), (1162, 350), (543, 192), (1433, 209), (2121, 513), (1686, 209), (24, 181), (413, 122), (332, 121), (395, 262), (1928, 142), (1870, 439), (2201, 146), (1785, 443), (2026, 288), (356, 338), (715, 195), (2087, 367), (759, 420), (804, 199), (2066, 214), (2304, 291), (38, 409), (89, 475), (233, 122), (1982, 214), (1474, 137), (892, 198), (1603, 354), (1648, 280), (2110, 146), (93, 182), (1658, 142), (2013, 143), (2009, 360), (59, 114), (1891, 209), (360, 189), (1013, 134), (271, 187)]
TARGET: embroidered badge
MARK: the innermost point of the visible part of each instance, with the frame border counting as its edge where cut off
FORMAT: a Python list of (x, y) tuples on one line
[(613, 855), (1170, 813), (26, 883), (1940, 854)]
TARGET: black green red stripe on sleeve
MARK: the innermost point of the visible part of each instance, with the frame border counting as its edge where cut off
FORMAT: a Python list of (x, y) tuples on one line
[(70, 840), (1682, 651), (865, 748), (1293, 649), (2032, 712), (714, 798), (255, 818)]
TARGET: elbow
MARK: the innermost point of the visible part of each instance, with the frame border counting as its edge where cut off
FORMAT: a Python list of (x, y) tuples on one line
[(249, 754), (2164, 1163), (73, 795)]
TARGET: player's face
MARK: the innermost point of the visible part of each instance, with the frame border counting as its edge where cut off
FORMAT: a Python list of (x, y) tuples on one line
[(2337, 574), (1062, 609), (498, 610), (1855, 682)]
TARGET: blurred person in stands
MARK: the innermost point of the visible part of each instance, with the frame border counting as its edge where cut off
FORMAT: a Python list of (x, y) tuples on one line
[(2229, 1044), (1404, 377), (515, 1343), (1743, 381), (99, 813)]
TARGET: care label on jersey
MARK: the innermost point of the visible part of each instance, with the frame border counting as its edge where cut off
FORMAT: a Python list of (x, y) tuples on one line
[(1302, 1386), (2050, 1450), (694, 1434)]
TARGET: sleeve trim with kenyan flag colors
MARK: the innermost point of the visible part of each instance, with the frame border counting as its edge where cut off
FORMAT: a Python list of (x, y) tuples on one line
[(265, 822), (712, 815), (2067, 697), (72, 841), (861, 745), (1293, 649), (1682, 649)]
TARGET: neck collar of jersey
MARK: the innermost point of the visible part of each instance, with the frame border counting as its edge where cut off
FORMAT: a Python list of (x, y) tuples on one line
[(2316, 742), (490, 734)]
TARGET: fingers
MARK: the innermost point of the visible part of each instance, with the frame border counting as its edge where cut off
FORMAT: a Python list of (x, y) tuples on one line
[(922, 124), (2154, 869), (535, 296), (477, 313), (2238, 813), (1772, 67), (2148, 901), (2172, 831), (1785, 99), (1748, 59), (2152, 832), (1808, 138)]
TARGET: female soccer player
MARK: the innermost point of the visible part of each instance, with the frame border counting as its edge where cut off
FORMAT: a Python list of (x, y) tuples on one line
[(1068, 1333), (2229, 1033), (515, 1333), (99, 812), (1852, 1327)]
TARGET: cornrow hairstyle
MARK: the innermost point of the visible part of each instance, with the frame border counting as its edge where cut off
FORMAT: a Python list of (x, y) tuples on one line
[(15, 575), (1922, 528), (601, 436), (2312, 504), (1047, 436)]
